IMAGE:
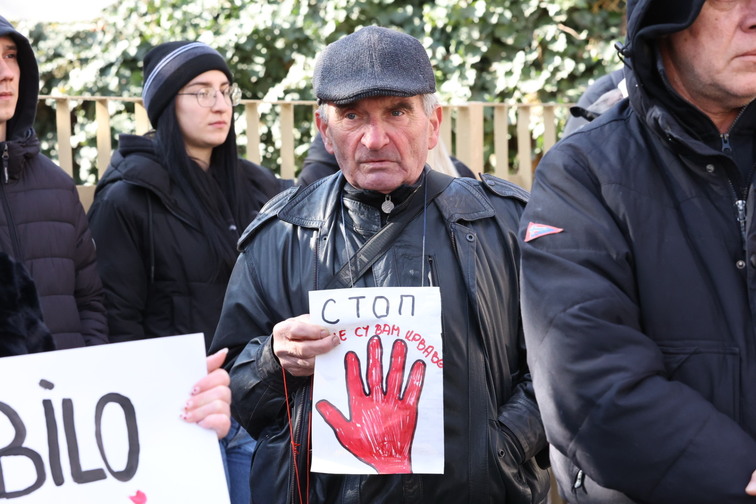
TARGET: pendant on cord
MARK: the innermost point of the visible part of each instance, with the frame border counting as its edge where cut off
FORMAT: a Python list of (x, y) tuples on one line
[(387, 206)]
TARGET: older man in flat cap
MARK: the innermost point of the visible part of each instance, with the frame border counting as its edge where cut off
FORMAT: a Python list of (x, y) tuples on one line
[(385, 220)]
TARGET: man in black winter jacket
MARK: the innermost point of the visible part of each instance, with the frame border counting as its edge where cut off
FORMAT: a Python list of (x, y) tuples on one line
[(379, 115), (639, 270), (42, 222)]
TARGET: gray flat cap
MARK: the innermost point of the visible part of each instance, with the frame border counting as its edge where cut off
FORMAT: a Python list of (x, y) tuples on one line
[(372, 61)]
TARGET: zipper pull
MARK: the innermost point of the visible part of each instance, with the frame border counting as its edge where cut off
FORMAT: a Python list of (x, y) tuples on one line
[(5, 162), (741, 206), (726, 142), (579, 480)]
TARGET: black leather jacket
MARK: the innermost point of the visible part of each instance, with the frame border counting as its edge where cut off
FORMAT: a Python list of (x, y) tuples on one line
[(492, 423)]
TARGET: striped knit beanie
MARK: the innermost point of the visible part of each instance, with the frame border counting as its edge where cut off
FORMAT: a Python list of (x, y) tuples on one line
[(170, 66)]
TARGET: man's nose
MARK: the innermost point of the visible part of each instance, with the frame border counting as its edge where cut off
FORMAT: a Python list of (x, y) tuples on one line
[(6, 72), (374, 136), (749, 20)]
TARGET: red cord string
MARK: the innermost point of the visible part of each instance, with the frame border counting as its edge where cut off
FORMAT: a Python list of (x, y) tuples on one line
[(294, 445)]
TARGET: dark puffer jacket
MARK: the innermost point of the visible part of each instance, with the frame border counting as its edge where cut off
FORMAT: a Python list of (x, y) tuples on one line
[(640, 293), (21, 327), (154, 258), (42, 222), (491, 421)]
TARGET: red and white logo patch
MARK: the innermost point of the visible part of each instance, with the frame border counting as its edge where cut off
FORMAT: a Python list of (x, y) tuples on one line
[(536, 230)]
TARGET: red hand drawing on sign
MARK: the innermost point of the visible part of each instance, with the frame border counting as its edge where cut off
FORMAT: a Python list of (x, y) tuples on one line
[(382, 424)]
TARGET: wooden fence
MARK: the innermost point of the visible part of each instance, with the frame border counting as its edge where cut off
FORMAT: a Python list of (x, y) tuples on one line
[(463, 132)]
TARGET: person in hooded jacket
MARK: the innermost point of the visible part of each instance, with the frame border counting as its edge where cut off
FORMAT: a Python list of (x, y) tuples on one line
[(639, 270), (42, 222), (169, 209), (380, 116)]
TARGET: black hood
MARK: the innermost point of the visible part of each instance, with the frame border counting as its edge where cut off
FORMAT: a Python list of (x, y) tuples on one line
[(20, 125), (647, 20), (650, 94), (136, 161)]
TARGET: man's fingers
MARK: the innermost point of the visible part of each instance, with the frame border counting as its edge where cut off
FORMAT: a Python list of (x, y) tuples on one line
[(296, 343), (299, 328)]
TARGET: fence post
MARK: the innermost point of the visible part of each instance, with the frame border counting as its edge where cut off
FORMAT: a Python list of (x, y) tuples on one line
[(470, 136), (501, 140), (63, 125), (446, 129), (252, 117), (287, 141), (549, 127), (524, 148), (104, 146), (141, 118)]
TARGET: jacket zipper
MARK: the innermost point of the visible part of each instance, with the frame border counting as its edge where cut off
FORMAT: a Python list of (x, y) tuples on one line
[(741, 206), (6, 207), (6, 156), (740, 197), (431, 277)]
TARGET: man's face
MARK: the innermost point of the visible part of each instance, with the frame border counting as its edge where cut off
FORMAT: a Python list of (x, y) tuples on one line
[(10, 73), (380, 143), (712, 63)]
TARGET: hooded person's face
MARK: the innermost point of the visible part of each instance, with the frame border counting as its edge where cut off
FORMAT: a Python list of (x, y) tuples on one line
[(712, 63), (10, 74)]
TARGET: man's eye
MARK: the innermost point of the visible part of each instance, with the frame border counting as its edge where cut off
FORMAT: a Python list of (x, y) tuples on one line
[(350, 115), (397, 113)]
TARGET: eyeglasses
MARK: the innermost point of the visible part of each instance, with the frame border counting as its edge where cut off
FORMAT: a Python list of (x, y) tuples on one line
[(206, 97)]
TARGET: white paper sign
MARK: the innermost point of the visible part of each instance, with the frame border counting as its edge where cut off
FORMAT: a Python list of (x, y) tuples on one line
[(378, 396), (101, 425)]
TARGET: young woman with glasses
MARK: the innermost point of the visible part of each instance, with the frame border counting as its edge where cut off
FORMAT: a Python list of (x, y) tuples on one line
[(170, 208)]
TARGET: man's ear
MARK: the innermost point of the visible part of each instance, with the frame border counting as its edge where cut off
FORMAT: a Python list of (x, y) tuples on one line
[(434, 128), (323, 128)]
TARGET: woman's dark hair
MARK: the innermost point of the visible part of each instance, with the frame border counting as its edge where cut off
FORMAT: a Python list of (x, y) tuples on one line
[(215, 204)]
